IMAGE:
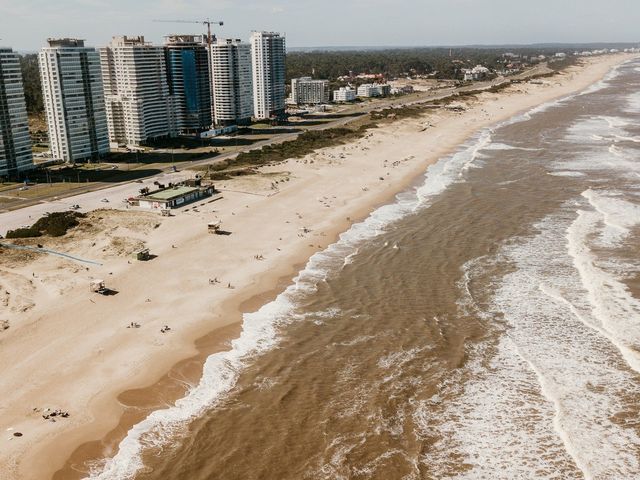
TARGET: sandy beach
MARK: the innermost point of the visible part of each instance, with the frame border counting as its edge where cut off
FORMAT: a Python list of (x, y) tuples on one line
[(67, 348)]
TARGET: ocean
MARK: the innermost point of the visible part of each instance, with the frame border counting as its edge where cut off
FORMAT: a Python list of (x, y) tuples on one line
[(485, 325)]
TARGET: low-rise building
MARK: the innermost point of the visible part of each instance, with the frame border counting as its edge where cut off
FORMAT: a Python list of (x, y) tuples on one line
[(215, 132), (404, 90), (479, 72), (344, 94), (172, 197), (374, 90), (307, 91)]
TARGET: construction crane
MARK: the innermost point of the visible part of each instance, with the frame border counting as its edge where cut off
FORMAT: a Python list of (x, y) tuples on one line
[(208, 23)]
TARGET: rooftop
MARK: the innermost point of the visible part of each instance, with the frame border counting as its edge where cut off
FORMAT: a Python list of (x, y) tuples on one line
[(170, 193), (124, 40), (65, 42), (176, 39)]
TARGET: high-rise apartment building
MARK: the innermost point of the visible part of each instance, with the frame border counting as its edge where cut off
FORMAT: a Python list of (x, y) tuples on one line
[(15, 143), (189, 81), (74, 100), (232, 82), (136, 91), (307, 91), (268, 52)]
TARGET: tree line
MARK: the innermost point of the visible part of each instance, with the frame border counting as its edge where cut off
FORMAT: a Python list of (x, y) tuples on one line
[(32, 84), (442, 63)]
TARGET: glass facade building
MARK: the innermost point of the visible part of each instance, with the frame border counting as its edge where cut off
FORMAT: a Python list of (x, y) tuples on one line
[(189, 77), (15, 142)]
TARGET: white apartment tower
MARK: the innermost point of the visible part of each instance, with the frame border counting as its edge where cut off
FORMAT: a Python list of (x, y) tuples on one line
[(136, 91), (232, 82), (15, 143), (268, 60), (74, 100)]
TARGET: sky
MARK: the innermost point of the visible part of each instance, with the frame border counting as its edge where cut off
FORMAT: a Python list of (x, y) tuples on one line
[(26, 24)]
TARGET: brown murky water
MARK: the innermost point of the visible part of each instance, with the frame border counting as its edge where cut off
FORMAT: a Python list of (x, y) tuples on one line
[(481, 327)]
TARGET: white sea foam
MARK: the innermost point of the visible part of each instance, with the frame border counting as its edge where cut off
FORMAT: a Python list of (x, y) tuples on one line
[(399, 358), (627, 139), (544, 405), (348, 260), (450, 170), (504, 146), (596, 129), (612, 307), (633, 103), (528, 115), (566, 173), (498, 424), (619, 215), (601, 135), (615, 150), (606, 81)]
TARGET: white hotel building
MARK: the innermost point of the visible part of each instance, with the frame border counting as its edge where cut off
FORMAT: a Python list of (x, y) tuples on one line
[(268, 52), (307, 91), (232, 82), (136, 89), (15, 143), (374, 90), (344, 94), (73, 99)]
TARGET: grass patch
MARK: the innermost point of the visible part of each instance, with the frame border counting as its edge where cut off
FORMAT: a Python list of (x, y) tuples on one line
[(395, 113), (306, 143)]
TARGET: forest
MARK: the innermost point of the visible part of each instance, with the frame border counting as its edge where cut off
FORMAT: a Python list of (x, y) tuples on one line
[(441, 62)]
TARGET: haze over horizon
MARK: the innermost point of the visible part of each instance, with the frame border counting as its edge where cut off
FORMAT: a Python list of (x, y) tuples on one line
[(25, 26)]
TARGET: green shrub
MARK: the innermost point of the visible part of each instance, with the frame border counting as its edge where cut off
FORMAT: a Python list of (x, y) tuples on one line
[(53, 224), (29, 232), (306, 143)]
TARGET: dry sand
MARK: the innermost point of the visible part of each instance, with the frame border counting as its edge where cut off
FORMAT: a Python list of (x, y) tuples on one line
[(70, 349)]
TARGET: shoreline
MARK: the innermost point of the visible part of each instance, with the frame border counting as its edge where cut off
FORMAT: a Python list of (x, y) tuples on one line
[(45, 457)]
